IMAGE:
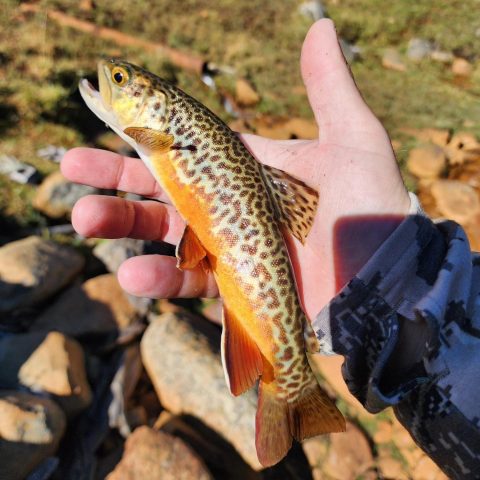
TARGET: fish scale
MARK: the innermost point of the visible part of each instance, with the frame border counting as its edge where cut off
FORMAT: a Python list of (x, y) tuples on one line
[(236, 211)]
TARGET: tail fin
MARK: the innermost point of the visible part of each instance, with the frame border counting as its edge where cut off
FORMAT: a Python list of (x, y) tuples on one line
[(314, 413), (272, 434), (277, 421)]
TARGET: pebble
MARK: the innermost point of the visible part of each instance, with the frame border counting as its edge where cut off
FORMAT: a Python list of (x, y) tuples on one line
[(56, 196), (50, 363), (428, 161), (155, 455), (245, 94), (33, 269), (418, 49), (462, 67), (30, 431), (392, 60), (97, 306)]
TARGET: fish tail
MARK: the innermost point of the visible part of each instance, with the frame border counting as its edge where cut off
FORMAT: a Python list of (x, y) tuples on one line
[(272, 434), (279, 420)]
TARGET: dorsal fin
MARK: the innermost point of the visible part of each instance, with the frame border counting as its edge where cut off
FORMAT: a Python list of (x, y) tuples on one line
[(242, 360), (295, 202)]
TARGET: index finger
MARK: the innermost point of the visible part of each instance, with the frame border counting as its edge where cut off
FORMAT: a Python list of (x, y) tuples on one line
[(103, 169)]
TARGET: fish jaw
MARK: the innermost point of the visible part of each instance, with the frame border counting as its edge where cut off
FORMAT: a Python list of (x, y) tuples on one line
[(96, 104)]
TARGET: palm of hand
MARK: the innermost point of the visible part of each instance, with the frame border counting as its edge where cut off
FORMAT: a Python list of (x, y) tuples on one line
[(351, 165)]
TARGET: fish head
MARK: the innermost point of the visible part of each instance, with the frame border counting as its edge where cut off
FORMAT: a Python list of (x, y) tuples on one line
[(128, 96)]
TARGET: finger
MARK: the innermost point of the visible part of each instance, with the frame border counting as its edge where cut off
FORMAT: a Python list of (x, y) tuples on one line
[(157, 276), (114, 217), (104, 169), (331, 90)]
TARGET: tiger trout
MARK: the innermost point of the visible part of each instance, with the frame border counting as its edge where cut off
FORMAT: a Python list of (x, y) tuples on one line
[(236, 212)]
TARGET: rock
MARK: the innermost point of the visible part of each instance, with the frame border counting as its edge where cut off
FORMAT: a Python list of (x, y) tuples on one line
[(51, 363), (156, 455), (111, 141), (302, 128), (52, 153), (30, 430), (350, 51), (441, 56), (455, 200), (316, 451), (245, 94), (313, 9), (181, 356), (392, 60), (391, 468), (114, 252), (56, 196), (33, 269), (428, 161), (349, 455), (463, 147), (462, 67), (429, 135), (426, 469), (97, 306), (18, 171), (384, 432), (418, 49)]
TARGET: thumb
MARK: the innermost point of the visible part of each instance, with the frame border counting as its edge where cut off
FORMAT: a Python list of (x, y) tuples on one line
[(333, 95)]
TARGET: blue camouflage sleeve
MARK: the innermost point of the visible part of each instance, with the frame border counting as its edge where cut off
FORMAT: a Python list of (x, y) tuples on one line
[(408, 325)]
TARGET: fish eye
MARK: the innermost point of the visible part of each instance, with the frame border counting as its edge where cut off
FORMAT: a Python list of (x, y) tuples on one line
[(119, 76)]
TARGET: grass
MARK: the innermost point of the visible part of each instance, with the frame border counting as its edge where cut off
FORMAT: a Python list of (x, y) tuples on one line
[(41, 63)]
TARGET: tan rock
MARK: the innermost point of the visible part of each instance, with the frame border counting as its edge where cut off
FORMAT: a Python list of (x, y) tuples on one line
[(245, 93), (462, 147), (212, 309), (316, 450), (349, 455), (429, 135), (428, 161), (156, 455), (181, 356), (392, 469), (392, 60), (426, 469), (302, 128), (455, 200), (384, 432), (33, 269), (50, 363), (97, 306), (462, 67), (30, 430), (56, 196), (473, 233)]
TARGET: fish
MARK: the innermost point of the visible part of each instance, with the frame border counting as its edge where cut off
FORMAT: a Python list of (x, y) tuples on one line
[(237, 212)]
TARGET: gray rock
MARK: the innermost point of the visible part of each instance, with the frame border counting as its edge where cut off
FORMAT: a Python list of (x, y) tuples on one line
[(313, 9), (114, 252), (418, 49), (30, 431), (350, 52), (97, 306), (18, 171), (52, 153), (46, 363), (158, 456), (56, 196), (33, 269), (393, 60), (442, 56), (181, 355)]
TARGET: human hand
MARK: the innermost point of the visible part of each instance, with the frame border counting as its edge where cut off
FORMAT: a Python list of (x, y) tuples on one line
[(352, 165)]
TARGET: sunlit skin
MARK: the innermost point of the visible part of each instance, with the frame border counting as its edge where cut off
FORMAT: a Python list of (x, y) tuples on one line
[(352, 165)]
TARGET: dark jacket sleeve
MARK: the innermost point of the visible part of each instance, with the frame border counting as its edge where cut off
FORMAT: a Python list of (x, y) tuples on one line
[(408, 325)]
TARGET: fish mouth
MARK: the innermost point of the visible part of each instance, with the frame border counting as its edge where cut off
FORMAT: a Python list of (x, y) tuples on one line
[(99, 100)]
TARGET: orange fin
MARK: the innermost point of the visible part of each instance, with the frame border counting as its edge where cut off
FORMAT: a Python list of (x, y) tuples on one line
[(295, 202), (314, 413), (150, 138), (242, 361), (190, 252), (272, 429)]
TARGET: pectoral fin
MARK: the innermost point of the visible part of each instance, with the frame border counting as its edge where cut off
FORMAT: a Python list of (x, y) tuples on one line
[(190, 252), (152, 139), (295, 202), (242, 361)]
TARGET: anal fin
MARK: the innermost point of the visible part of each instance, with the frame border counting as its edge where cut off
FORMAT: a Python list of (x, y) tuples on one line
[(242, 360), (294, 201)]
